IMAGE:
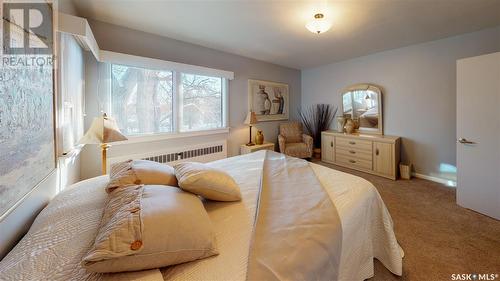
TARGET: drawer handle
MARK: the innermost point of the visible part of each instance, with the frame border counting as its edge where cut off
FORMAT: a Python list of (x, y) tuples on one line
[(352, 151), (331, 143), (352, 142), (352, 161), (376, 151)]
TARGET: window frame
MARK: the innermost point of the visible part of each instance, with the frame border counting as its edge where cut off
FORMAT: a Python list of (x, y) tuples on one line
[(177, 70)]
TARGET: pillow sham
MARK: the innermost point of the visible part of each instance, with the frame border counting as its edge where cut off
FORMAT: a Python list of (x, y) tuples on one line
[(121, 226), (207, 182), (150, 172), (175, 229), (121, 174), (141, 172)]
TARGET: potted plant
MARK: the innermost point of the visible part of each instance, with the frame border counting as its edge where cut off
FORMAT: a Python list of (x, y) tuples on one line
[(316, 119)]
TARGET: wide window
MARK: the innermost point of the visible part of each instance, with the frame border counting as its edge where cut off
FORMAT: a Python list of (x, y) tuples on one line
[(155, 97), (142, 99)]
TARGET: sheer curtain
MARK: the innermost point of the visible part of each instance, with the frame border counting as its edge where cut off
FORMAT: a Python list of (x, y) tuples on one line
[(71, 100)]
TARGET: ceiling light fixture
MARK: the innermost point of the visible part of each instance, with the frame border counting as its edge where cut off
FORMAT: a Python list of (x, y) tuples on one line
[(319, 24)]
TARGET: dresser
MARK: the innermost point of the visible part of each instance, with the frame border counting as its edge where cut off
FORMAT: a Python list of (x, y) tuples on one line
[(374, 154), (244, 149)]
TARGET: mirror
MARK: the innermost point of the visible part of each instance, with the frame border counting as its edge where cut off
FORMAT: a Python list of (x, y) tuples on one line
[(363, 104)]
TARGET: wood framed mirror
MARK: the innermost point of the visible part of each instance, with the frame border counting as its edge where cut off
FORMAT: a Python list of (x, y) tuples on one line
[(363, 104)]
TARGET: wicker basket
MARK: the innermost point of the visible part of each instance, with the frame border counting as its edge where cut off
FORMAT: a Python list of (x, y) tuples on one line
[(405, 170)]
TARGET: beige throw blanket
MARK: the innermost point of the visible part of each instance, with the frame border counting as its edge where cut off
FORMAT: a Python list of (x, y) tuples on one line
[(297, 233)]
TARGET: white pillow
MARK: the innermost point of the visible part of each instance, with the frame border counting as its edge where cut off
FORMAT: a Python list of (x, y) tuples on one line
[(207, 182)]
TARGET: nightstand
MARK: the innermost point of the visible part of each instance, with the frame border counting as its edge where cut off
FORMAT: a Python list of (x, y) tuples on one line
[(249, 149)]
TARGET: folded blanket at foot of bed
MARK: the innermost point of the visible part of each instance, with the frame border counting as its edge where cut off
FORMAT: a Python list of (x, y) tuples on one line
[(297, 233)]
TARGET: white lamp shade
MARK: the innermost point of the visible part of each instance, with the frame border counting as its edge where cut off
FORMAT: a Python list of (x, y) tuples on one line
[(251, 118), (103, 130), (319, 24)]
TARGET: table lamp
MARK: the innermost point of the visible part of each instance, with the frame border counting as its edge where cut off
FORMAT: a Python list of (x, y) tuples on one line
[(103, 131), (250, 120)]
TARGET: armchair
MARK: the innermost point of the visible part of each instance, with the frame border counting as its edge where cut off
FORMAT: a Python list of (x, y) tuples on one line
[(293, 142)]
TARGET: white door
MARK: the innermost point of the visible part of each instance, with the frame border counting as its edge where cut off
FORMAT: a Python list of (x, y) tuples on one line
[(478, 134)]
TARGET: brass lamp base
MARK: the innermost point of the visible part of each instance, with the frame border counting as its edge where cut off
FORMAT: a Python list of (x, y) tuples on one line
[(104, 150), (250, 143)]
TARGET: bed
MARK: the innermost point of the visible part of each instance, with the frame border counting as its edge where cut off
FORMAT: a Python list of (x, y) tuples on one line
[(369, 118), (65, 230)]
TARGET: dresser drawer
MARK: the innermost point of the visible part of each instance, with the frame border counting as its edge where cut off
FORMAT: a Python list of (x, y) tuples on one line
[(353, 162), (349, 143), (354, 153), (374, 154)]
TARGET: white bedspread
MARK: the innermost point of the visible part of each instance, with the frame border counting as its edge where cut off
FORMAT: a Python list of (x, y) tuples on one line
[(65, 229), (366, 225)]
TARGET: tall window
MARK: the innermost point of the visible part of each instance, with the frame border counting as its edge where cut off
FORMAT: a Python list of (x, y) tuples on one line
[(201, 102), (141, 99), (71, 101), (151, 101)]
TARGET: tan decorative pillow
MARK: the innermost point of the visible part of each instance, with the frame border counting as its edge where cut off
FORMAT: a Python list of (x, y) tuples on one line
[(207, 182), (121, 174), (140, 172), (150, 172), (121, 229), (175, 229)]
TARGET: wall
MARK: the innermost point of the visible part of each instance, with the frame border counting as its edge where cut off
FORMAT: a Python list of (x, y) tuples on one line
[(67, 7), (14, 225), (419, 100), (120, 39)]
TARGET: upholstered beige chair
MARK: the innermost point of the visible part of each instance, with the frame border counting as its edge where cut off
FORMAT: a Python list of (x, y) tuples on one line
[(294, 142)]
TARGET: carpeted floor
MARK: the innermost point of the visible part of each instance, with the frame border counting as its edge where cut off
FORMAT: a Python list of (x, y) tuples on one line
[(439, 237)]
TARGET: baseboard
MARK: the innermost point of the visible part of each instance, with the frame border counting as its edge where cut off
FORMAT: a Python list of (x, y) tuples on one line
[(446, 182)]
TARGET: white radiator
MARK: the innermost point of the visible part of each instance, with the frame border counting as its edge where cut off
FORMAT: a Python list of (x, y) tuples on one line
[(205, 152)]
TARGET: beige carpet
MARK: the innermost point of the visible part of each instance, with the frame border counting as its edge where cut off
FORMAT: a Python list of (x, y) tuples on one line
[(438, 236)]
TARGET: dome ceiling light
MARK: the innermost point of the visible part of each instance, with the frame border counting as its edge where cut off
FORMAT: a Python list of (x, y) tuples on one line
[(319, 24)]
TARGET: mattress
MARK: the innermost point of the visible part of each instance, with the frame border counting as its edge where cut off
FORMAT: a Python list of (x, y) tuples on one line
[(66, 228)]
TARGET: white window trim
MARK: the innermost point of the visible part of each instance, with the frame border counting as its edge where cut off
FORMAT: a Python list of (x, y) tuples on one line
[(131, 60), (173, 135), (176, 68)]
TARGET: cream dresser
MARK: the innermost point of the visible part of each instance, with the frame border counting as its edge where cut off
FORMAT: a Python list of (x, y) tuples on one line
[(374, 154)]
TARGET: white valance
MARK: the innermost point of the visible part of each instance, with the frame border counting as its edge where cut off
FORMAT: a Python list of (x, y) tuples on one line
[(150, 63)]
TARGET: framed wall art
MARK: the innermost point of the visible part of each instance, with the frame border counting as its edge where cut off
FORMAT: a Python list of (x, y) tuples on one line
[(269, 100)]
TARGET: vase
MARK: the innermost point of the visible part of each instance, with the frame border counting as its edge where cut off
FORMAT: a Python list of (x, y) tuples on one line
[(259, 137), (350, 126), (340, 124), (356, 123)]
